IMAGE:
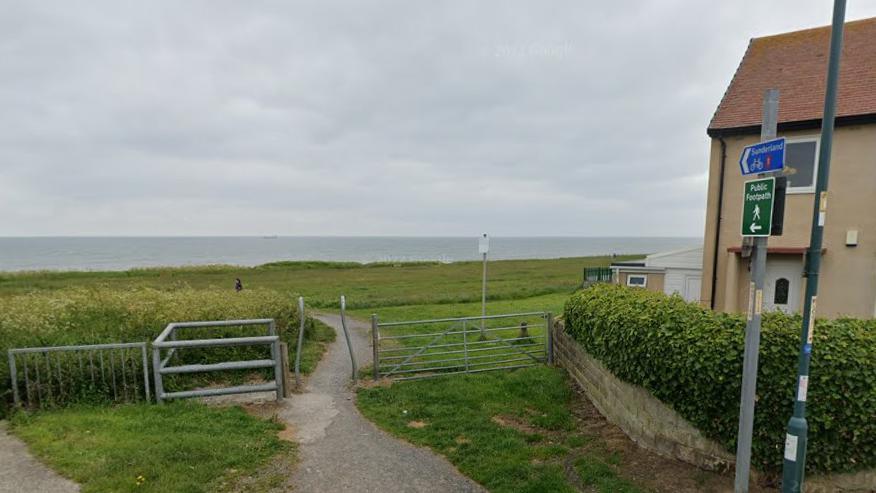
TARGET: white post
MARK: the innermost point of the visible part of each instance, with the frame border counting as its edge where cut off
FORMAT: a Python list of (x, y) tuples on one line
[(483, 248)]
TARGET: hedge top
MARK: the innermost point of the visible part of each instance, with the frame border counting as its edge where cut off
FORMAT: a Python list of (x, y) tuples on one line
[(691, 359)]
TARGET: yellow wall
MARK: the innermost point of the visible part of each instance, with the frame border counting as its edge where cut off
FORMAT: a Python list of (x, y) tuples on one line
[(654, 282), (848, 274)]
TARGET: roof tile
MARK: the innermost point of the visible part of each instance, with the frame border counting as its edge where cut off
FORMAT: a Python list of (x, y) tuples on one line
[(796, 64)]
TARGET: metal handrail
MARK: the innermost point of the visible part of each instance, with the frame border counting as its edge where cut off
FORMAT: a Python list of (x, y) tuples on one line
[(160, 368), (353, 361), (215, 323), (441, 353), (229, 341), (465, 344), (448, 373), (459, 319), (81, 347), (436, 368), (415, 363), (477, 330)]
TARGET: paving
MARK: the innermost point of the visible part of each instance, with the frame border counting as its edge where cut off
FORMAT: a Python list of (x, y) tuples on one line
[(20, 472), (340, 450)]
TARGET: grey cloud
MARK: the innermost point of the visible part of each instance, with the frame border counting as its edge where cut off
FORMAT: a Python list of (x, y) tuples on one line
[(384, 117)]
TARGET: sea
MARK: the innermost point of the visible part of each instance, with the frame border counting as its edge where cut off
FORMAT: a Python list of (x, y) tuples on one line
[(122, 253)]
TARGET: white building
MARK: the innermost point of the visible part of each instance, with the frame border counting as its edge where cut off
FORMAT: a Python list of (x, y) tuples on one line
[(678, 271)]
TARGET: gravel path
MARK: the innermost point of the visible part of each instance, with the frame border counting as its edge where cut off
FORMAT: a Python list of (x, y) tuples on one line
[(343, 451), (21, 473)]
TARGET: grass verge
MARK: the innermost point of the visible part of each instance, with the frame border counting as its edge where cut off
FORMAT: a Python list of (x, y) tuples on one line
[(510, 431), (179, 447)]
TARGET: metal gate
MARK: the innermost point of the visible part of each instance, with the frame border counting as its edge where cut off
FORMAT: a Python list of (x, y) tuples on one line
[(167, 340), (448, 346)]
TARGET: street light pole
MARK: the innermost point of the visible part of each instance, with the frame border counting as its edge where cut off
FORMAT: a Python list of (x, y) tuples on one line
[(796, 437)]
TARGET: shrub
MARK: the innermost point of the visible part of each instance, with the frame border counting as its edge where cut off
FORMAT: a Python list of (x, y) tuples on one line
[(102, 315), (691, 359)]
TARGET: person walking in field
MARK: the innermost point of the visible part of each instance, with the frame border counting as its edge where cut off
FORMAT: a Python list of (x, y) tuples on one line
[(238, 285)]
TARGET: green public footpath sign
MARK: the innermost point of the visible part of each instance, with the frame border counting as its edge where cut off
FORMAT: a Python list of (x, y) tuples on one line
[(757, 207)]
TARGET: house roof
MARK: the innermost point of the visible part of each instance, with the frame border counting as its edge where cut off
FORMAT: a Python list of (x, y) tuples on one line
[(628, 263), (672, 253), (796, 64)]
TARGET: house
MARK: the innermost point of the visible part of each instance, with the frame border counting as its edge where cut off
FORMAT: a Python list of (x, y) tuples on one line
[(796, 64), (678, 271)]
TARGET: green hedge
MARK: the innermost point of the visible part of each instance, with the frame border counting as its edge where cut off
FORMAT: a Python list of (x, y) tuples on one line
[(691, 359), (102, 315)]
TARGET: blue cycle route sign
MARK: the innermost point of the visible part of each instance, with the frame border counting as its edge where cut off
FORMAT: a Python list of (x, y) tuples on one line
[(763, 157)]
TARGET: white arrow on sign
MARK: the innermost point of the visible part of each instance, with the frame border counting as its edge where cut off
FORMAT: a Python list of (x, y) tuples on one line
[(744, 160), (755, 227)]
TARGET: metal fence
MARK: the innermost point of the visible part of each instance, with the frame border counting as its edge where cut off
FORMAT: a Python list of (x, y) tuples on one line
[(57, 375), (429, 348), (167, 341), (597, 274)]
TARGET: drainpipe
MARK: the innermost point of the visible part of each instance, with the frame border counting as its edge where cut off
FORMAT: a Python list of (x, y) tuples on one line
[(718, 221)]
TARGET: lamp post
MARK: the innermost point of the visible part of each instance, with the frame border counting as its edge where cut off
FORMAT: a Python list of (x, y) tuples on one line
[(796, 436)]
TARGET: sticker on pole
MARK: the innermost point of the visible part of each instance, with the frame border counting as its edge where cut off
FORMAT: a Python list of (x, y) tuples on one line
[(757, 207), (790, 447), (763, 157)]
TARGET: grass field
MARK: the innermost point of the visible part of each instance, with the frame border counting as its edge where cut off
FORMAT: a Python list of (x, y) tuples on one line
[(505, 458), (322, 283), (179, 447)]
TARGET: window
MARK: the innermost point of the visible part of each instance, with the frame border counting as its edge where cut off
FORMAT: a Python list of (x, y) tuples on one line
[(780, 297), (638, 281), (801, 157)]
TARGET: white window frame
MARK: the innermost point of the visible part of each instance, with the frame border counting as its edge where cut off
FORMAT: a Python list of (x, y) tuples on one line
[(796, 140), (644, 280)]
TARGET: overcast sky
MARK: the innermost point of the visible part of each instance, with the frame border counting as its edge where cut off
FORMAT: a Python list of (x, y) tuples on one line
[(368, 118)]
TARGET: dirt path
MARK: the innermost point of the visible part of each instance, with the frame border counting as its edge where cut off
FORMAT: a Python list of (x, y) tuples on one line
[(341, 450), (21, 473)]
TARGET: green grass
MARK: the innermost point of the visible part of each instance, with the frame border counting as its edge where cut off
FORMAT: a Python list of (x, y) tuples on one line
[(553, 302), (365, 285), (179, 447), (510, 431)]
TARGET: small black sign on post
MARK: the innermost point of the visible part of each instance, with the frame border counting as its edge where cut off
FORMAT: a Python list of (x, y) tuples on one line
[(778, 219)]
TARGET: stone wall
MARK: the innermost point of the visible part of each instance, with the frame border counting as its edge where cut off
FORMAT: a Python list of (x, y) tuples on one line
[(646, 420), (655, 426)]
